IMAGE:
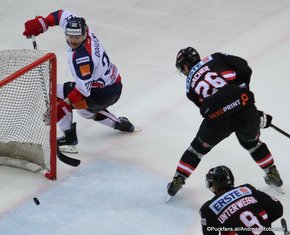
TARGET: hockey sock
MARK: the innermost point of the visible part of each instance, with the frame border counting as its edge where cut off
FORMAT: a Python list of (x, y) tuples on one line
[(262, 156), (106, 118)]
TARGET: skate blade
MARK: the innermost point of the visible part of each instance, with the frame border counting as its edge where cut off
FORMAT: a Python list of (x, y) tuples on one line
[(168, 198), (68, 149), (136, 129), (278, 189)]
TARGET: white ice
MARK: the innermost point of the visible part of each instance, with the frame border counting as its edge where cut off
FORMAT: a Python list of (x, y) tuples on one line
[(120, 187)]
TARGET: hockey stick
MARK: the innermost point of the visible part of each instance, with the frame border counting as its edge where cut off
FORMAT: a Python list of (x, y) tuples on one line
[(34, 42), (41, 73), (67, 160), (279, 130), (284, 226)]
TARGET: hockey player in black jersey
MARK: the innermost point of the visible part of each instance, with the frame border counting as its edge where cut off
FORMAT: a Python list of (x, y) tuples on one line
[(219, 86), (237, 210)]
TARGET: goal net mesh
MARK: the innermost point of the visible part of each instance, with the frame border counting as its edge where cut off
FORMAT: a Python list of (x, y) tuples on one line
[(24, 137)]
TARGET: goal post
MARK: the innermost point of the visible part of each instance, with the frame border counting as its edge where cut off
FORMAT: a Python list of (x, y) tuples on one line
[(27, 94)]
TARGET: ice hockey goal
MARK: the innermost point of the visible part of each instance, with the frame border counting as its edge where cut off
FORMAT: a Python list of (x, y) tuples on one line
[(27, 92)]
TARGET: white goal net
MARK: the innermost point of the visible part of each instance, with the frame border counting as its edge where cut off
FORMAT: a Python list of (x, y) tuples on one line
[(25, 140)]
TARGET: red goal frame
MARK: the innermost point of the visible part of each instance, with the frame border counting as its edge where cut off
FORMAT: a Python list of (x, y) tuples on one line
[(51, 57)]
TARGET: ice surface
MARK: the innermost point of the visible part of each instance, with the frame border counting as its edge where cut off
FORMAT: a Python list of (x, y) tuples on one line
[(120, 187)]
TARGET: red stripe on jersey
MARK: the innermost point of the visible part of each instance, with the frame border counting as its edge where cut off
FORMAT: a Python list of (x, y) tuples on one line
[(59, 15), (118, 79), (53, 18), (115, 77), (97, 84), (264, 215), (88, 43), (229, 75), (113, 72)]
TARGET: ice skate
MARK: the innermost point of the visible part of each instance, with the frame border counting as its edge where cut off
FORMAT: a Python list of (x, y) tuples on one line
[(67, 143), (176, 184), (124, 125), (273, 177)]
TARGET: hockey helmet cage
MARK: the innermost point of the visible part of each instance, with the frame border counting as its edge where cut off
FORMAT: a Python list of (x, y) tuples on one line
[(76, 26), (187, 56), (221, 177)]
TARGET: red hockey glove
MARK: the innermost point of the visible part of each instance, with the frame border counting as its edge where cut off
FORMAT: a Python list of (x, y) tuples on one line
[(77, 99), (35, 27), (63, 108), (265, 120)]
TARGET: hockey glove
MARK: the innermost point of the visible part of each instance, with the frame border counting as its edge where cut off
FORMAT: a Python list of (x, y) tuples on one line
[(265, 119), (35, 27), (63, 108), (77, 99)]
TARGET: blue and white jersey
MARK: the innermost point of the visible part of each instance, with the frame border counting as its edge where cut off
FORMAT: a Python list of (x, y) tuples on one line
[(89, 64)]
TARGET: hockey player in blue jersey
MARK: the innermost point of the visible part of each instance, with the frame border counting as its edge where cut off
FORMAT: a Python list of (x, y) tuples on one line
[(97, 81)]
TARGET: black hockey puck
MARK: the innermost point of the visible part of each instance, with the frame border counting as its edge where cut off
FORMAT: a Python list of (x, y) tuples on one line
[(36, 201)]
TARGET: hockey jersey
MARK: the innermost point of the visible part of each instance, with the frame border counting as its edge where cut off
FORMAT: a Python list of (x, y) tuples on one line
[(219, 85), (89, 64), (240, 210), (214, 72)]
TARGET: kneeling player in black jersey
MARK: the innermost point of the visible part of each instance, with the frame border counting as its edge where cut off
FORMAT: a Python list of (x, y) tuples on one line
[(219, 85), (237, 210)]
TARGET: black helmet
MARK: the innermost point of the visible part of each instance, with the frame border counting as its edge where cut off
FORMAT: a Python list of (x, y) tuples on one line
[(187, 56), (76, 26), (220, 177)]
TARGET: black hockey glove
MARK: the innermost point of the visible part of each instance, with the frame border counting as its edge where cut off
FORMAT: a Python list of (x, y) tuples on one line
[(265, 119)]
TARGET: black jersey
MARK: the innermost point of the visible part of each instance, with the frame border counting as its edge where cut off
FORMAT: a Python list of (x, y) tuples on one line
[(240, 210), (217, 84), (213, 72)]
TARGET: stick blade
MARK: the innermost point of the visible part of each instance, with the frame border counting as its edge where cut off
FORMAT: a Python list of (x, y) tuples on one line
[(67, 160)]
